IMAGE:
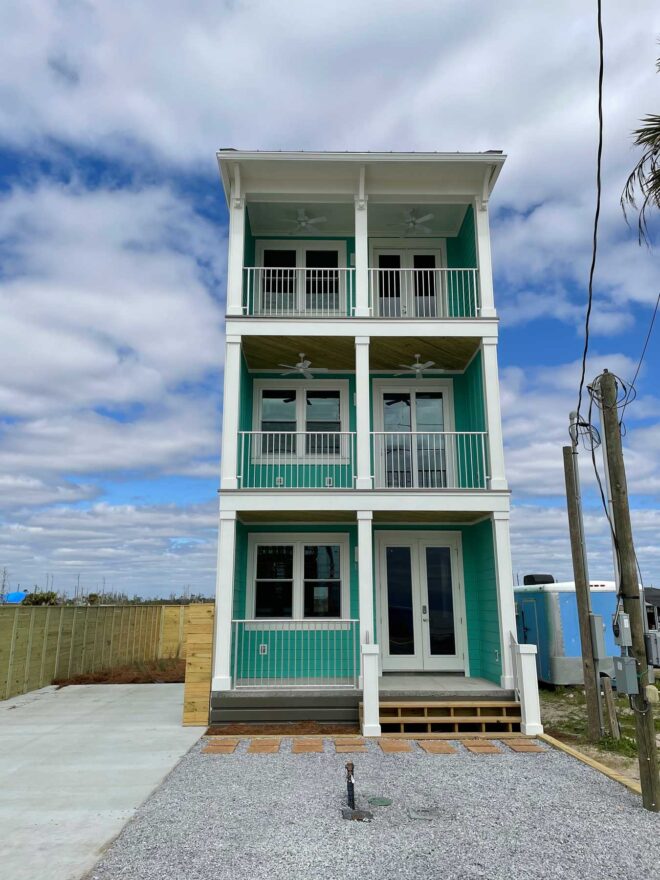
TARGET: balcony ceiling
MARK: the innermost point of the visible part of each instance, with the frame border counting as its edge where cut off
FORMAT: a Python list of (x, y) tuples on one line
[(386, 220), (338, 352), (399, 517)]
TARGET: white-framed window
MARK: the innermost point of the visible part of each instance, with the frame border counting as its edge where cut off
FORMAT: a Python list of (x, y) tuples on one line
[(301, 418), (298, 577), (301, 276)]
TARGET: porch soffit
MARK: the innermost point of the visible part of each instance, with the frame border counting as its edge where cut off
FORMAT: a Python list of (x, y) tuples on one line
[(338, 352), (306, 517)]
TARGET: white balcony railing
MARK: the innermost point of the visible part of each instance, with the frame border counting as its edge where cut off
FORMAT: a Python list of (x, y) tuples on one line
[(317, 293), (307, 653), (424, 293), (296, 460), (430, 460)]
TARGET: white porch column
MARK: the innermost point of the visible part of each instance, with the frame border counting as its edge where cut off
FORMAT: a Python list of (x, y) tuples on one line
[(236, 247), (527, 684), (362, 413), (493, 413), (361, 256), (230, 407), (224, 601), (368, 647), (484, 261), (505, 602)]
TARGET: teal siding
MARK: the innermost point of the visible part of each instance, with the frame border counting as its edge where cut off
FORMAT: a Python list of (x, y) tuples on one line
[(296, 654), (462, 250)]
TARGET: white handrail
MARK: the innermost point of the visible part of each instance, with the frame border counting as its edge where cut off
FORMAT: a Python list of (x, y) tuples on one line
[(430, 459), (295, 653), (424, 293), (286, 292)]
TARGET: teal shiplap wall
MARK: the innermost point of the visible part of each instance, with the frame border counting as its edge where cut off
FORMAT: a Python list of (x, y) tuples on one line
[(462, 250), (298, 654)]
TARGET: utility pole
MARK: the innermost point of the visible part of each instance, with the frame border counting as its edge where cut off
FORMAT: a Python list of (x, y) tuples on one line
[(582, 594), (629, 587)]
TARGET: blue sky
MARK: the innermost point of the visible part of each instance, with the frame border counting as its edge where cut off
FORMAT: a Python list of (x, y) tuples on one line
[(113, 241)]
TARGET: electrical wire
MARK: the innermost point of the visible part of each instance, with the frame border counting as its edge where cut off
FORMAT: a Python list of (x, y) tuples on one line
[(639, 363), (594, 245)]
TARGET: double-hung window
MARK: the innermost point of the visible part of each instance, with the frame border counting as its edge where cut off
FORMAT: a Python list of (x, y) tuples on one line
[(302, 419), (298, 576)]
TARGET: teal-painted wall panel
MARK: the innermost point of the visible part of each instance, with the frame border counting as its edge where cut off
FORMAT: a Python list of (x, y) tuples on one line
[(300, 654), (462, 250), (462, 287)]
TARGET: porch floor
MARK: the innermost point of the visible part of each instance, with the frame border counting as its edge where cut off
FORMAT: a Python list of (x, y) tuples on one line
[(441, 686)]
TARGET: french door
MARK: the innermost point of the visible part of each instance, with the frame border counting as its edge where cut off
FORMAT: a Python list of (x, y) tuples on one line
[(410, 451), (408, 283), (422, 607)]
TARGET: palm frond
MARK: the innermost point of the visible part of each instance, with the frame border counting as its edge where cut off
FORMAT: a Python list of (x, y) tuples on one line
[(644, 180)]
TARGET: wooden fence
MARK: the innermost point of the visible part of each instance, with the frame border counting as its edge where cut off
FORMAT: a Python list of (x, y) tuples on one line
[(199, 654), (41, 643)]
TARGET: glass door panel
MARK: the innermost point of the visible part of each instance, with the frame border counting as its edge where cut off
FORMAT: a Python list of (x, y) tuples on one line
[(322, 288), (400, 601), (389, 285), (278, 287), (431, 456), (397, 442), (424, 287), (440, 604)]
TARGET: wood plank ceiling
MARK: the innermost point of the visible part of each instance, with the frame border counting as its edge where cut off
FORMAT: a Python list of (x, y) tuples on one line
[(338, 352)]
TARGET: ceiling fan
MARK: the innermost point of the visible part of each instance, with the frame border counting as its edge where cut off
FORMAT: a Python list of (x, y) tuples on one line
[(413, 224), (416, 368), (302, 368), (303, 223)]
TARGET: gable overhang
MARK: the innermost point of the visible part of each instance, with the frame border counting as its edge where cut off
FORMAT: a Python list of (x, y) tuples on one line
[(453, 177)]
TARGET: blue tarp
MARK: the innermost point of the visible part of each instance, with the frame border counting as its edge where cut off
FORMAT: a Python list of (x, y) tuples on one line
[(15, 598)]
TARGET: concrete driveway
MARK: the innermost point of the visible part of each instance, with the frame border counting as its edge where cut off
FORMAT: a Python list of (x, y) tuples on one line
[(74, 766)]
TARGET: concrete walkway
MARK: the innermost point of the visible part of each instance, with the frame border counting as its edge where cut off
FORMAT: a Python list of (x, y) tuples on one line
[(74, 766)]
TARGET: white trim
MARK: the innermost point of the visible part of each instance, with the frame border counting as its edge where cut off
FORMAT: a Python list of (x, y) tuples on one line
[(302, 385), (417, 539), (300, 246), (298, 540), (480, 501), (404, 245), (412, 328), (445, 386)]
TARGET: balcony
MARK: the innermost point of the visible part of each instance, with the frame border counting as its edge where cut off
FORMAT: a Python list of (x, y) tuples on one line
[(301, 293), (424, 293), (330, 293), (327, 461)]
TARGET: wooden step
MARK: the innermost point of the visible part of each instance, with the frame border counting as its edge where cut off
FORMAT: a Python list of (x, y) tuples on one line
[(444, 718)]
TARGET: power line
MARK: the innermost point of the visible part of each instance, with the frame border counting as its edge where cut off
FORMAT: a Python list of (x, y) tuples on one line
[(641, 358), (594, 245)]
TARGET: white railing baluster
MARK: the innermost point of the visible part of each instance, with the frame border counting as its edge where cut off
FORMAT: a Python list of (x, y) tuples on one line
[(429, 459), (424, 293)]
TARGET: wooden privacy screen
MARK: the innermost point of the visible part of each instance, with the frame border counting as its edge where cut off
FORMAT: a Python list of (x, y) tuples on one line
[(41, 643), (199, 655)]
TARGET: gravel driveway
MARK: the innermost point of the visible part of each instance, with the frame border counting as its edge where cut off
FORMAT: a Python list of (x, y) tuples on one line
[(278, 816)]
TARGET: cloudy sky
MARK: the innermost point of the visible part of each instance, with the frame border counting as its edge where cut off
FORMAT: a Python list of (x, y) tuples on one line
[(113, 241)]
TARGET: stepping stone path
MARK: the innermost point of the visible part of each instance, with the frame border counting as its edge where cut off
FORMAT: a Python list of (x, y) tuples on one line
[(227, 745)]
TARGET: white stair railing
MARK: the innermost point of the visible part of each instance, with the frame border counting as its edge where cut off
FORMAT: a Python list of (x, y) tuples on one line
[(526, 686)]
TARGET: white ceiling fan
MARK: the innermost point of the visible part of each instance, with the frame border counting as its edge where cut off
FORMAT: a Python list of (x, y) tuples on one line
[(302, 368), (413, 224), (303, 223), (416, 368)]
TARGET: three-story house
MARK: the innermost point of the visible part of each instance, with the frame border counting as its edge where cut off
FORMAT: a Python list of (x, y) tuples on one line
[(364, 555)]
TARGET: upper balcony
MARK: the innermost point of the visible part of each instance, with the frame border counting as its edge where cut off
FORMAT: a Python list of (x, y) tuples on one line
[(383, 236), (300, 261)]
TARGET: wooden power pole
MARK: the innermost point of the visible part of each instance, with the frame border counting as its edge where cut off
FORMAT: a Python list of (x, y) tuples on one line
[(629, 590), (582, 595)]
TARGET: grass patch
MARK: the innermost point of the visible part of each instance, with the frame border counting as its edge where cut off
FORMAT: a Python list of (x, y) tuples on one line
[(144, 672)]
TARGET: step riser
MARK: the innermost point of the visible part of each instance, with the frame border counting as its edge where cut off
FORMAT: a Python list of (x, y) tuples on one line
[(446, 718)]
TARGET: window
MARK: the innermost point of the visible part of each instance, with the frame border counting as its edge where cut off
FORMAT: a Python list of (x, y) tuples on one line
[(302, 276), (302, 418), (298, 577)]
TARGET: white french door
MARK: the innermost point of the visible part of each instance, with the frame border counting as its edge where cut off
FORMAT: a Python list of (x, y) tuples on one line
[(408, 283), (421, 601)]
